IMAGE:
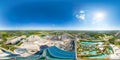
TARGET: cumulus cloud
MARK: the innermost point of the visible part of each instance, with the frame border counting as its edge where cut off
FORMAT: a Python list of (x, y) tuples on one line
[(81, 15)]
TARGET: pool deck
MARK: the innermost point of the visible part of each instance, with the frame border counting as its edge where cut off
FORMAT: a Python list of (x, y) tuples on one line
[(104, 56)]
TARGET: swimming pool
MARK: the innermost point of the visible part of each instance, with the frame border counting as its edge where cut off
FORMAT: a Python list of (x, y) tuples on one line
[(94, 53), (91, 42)]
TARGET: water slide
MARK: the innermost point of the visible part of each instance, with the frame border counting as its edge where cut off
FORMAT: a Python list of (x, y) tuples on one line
[(51, 53), (56, 52)]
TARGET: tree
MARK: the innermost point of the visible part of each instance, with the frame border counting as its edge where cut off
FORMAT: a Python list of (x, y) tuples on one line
[(112, 40)]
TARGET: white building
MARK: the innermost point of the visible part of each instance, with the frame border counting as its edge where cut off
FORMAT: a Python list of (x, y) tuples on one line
[(64, 37), (15, 40)]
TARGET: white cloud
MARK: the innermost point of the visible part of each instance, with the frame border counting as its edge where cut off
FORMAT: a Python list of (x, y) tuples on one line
[(82, 11), (81, 15)]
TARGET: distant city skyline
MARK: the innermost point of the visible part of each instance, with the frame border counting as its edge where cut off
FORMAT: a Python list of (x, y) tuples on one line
[(60, 15)]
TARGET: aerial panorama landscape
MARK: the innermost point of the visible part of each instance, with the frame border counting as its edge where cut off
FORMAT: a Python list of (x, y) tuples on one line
[(59, 45), (59, 29)]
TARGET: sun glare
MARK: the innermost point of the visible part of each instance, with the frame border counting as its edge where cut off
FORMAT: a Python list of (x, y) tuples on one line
[(99, 16)]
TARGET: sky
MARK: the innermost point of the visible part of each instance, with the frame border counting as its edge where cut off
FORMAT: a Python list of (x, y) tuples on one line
[(59, 14)]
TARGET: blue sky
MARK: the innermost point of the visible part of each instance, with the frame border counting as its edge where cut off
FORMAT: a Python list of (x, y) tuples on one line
[(59, 14)]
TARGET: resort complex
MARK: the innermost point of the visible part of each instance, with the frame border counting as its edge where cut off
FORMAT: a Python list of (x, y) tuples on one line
[(37, 45), (60, 45), (98, 45), (94, 49), (59, 29)]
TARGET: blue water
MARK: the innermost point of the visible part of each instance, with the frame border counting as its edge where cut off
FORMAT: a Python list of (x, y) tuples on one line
[(90, 42), (93, 52)]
